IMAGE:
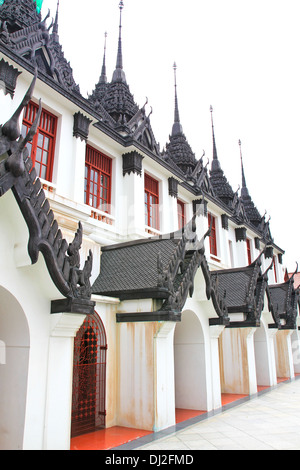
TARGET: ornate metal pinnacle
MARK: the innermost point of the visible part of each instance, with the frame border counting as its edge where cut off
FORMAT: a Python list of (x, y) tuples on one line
[(175, 69)]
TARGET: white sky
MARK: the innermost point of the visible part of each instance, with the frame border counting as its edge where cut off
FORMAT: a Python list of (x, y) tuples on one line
[(240, 56)]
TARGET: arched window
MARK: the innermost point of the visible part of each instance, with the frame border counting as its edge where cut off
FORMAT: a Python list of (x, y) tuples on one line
[(89, 377)]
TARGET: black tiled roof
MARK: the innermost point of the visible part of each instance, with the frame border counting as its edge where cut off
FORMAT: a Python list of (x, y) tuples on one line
[(234, 283), (132, 268), (284, 299)]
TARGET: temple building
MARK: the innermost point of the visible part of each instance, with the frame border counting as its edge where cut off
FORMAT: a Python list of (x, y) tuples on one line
[(135, 281)]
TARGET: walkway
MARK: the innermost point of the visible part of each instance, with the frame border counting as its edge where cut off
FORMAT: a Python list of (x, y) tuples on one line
[(268, 421)]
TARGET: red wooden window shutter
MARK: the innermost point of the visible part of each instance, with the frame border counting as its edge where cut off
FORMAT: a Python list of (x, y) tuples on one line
[(213, 235), (151, 202), (42, 147), (97, 189)]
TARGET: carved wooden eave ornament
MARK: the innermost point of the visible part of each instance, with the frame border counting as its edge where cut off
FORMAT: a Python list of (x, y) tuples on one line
[(62, 259), (244, 289), (161, 268), (284, 301)]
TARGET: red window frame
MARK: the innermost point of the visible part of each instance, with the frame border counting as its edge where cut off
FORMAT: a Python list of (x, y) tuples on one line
[(98, 173), (213, 235), (181, 214), (42, 147), (249, 257), (151, 202)]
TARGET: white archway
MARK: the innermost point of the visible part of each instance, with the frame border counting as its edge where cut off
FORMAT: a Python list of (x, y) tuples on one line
[(15, 342), (189, 364)]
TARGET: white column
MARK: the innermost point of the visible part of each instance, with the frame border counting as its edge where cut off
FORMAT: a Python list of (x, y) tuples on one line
[(164, 407), (215, 332), (241, 253), (265, 356), (60, 378), (296, 351), (238, 373), (173, 215), (133, 203), (284, 354), (79, 148), (251, 361)]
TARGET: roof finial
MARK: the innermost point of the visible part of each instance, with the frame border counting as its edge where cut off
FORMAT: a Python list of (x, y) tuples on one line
[(55, 25), (244, 190), (176, 115), (119, 75), (120, 58), (215, 163), (103, 78), (177, 128)]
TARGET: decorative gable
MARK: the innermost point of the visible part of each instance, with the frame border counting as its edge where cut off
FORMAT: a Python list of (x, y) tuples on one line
[(31, 40)]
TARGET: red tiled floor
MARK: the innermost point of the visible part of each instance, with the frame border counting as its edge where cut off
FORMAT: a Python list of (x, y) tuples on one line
[(230, 397), (105, 439), (262, 387), (282, 379), (183, 415)]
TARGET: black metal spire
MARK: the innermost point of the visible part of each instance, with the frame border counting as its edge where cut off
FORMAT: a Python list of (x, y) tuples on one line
[(178, 149), (103, 78), (219, 182), (250, 208), (177, 127), (55, 25), (119, 74), (215, 163), (244, 190)]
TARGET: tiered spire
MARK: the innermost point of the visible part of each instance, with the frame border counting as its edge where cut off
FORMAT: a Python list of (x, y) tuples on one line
[(119, 74), (218, 180), (215, 163), (251, 211), (177, 127), (244, 190), (103, 77), (55, 25), (100, 87), (115, 97), (178, 149)]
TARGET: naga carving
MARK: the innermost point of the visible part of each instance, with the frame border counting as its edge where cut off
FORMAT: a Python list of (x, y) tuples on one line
[(179, 276), (18, 174)]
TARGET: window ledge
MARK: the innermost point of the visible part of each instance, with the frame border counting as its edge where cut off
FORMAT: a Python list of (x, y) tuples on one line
[(47, 186), (101, 216), (152, 231), (215, 258)]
